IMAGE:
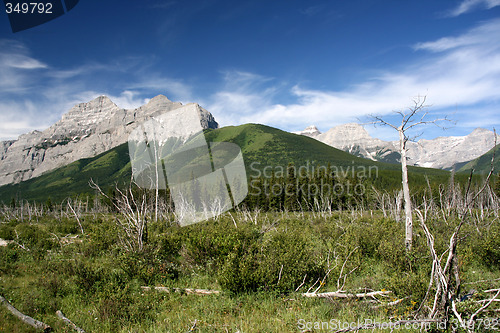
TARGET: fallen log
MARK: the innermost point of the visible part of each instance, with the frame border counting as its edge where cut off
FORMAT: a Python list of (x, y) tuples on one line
[(342, 294), (396, 302), (69, 322), (26, 319), (389, 325), (187, 290), (338, 294)]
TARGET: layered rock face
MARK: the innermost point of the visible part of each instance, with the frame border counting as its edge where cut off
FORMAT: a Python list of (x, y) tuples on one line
[(87, 130), (445, 152), (440, 153), (354, 139), (311, 131)]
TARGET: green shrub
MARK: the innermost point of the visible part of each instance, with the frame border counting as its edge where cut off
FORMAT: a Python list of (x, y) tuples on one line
[(207, 246), (486, 247), (65, 227), (279, 262), (102, 237), (148, 267), (8, 258), (35, 238), (7, 231)]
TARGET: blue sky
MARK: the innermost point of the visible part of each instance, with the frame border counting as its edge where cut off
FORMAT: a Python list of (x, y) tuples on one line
[(286, 64)]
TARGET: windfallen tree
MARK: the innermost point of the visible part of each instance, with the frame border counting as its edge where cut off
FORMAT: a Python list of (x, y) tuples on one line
[(25, 318)]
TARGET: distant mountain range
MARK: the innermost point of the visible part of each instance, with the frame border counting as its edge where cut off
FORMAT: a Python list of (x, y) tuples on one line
[(447, 153), (90, 141), (265, 149)]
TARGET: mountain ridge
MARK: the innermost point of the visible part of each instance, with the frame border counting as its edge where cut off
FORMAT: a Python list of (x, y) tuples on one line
[(444, 152), (86, 130), (263, 148)]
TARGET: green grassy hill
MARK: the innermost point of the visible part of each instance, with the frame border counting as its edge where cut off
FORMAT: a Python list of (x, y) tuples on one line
[(262, 147), (482, 164)]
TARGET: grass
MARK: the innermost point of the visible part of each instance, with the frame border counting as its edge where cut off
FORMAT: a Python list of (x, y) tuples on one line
[(98, 285)]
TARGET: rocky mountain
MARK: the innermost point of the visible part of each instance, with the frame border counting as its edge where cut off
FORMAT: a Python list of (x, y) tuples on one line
[(446, 152), (87, 130), (311, 131), (439, 153), (354, 139), (266, 150), (482, 164)]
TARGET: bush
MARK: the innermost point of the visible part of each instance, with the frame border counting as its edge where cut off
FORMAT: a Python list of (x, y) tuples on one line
[(207, 246), (148, 267), (486, 247), (35, 238), (8, 258), (7, 231), (102, 237), (65, 227), (276, 263)]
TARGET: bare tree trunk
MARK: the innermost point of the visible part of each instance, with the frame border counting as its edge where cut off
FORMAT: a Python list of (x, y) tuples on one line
[(406, 191), (69, 322), (27, 319)]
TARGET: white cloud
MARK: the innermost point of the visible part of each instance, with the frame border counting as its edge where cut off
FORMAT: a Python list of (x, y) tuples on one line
[(20, 61), (173, 89), (126, 99), (20, 118), (461, 71), (16, 67), (243, 96), (484, 35), (458, 71), (468, 5), (34, 95)]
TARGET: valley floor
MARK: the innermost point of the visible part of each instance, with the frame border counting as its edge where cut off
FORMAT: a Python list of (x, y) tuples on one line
[(262, 264)]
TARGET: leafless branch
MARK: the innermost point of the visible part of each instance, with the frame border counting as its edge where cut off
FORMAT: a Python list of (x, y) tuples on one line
[(69, 322), (26, 319)]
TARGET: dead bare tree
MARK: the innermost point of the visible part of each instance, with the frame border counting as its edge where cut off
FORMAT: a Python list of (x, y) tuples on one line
[(76, 212), (134, 210), (412, 117), (447, 277)]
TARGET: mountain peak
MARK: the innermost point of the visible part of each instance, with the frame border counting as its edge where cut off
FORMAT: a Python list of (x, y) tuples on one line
[(311, 131), (87, 130), (441, 152), (349, 136), (102, 100), (311, 128), (98, 104), (480, 131), (159, 99), (350, 132)]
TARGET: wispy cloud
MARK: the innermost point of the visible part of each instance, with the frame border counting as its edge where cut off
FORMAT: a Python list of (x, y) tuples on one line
[(485, 35), (469, 5), (242, 96), (20, 118), (457, 71), (34, 94), (21, 61), (16, 65)]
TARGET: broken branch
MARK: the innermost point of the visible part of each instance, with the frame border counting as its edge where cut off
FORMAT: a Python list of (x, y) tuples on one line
[(26, 319)]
